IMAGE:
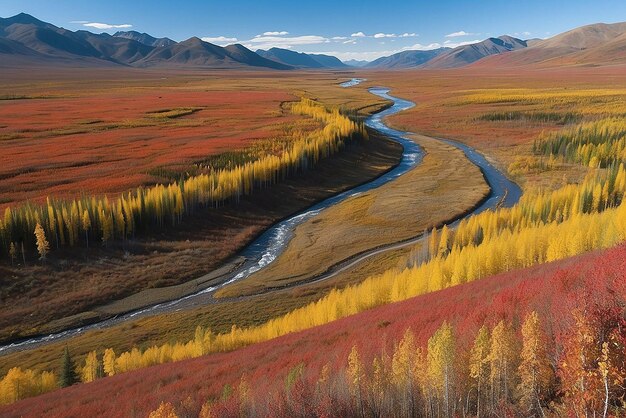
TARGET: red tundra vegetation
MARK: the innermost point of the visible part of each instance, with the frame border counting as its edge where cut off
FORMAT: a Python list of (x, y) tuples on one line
[(112, 142), (592, 284)]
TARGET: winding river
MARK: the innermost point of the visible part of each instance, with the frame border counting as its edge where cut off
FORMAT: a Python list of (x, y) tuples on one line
[(270, 244)]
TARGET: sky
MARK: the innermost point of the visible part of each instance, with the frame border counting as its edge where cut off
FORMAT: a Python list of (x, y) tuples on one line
[(348, 29)]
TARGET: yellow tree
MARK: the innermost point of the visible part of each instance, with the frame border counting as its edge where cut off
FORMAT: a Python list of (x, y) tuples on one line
[(165, 410), (402, 366), (86, 225), (42, 243), (356, 375), (108, 362), (440, 357), (479, 364), (89, 372), (502, 357), (535, 373)]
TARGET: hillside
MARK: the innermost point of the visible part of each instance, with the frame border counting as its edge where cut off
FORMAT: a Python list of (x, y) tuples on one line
[(595, 44), (552, 290), (406, 59), (27, 41), (144, 38), (301, 59), (467, 54)]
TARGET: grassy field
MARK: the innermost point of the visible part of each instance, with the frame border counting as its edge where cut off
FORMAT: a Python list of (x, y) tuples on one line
[(446, 107), (206, 115), (444, 185), (501, 113)]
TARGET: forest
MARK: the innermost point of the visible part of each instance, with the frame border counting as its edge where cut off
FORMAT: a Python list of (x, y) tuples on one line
[(100, 220)]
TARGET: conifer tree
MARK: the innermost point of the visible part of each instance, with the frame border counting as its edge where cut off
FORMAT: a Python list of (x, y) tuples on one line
[(86, 225), (68, 376)]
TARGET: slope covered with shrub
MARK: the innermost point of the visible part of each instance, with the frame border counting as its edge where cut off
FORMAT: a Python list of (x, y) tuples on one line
[(552, 290)]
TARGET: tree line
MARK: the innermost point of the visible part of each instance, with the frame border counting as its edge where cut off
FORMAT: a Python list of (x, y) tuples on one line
[(96, 219), (497, 371), (543, 226), (600, 143)]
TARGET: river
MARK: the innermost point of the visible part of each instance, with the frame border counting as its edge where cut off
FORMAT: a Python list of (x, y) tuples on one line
[(272, 242)]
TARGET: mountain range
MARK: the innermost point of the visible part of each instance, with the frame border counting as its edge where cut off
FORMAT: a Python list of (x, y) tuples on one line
[(407, 59), (28, 41), (300, 59), (25, 40)]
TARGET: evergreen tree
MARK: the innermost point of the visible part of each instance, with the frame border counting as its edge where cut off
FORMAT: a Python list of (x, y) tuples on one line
[(68, 376)]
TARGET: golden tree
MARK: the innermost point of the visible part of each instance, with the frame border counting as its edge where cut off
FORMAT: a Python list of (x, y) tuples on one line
[(89, 371), (502, 359), (356, 376), (536, 375), (479, 364), (43, 246), (440, 357)]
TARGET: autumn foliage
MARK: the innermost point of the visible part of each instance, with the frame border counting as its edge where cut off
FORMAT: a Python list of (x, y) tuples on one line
[(66, 223), (317, 379)]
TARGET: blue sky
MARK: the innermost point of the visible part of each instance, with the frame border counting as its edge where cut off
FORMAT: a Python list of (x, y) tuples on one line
[(349, 29)]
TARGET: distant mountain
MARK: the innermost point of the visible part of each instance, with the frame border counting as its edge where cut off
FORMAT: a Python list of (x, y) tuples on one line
[(144, 38), (120, 50), (196, 52), (356, 63), (25, 40), (285, 56), (328, 61), (301, 59), (406, 59), (467, 54), (595, 44)]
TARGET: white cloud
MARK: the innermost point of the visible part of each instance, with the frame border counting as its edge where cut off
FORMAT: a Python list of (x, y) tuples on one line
[(350, 42), (339, 38), (277, 33), (104, 26), (360, 56), (459, 34), (421, 47), (451, 44), (384, 35), (266, 42), (219, 40), (409, 35), (358, 35)]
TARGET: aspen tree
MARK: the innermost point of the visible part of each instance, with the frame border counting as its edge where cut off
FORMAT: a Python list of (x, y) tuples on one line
[(89, 372), (535, 372), (108, 362), (479, 364), (441, 352), (42, 243), (502, 361), (356, 376), (402, 366)]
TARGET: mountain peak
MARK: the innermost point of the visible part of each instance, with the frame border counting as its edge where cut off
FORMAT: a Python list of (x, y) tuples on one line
[(24, 19)]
